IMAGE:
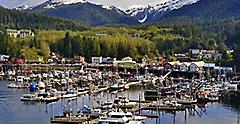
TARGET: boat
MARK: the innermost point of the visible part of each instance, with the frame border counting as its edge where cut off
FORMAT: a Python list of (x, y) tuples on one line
[(30, 97), (95, 113), (107, 105), (119, 86), (121, 118), (123, 102), (82, 91), (186, 100), (112, 121), (20, 78), (69, 94), (12, 85), (50, 98), (126, 104), (213, 97), (152, 95)]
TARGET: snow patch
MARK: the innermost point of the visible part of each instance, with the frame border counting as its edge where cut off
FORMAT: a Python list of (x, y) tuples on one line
[(144, 19)]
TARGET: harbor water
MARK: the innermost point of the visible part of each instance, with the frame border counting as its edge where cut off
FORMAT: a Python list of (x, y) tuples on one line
[(14, 111)]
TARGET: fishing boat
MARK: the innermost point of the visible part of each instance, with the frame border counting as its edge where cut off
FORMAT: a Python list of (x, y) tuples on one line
[(69, 94)]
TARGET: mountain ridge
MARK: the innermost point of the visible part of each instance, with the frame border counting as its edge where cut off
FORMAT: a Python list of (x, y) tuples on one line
[(172, 11)]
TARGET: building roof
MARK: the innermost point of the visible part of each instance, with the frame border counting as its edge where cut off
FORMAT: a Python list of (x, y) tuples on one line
[(199, 64), (174, 63), (11, 30)]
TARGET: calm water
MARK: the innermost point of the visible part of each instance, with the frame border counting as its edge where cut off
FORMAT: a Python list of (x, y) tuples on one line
[(13, 111)]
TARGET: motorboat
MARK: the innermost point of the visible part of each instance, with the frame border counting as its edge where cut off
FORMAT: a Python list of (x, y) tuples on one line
[(30, 97), (121, 118)]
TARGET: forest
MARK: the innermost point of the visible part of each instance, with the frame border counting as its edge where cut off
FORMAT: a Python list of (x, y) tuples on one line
[(121, 41)]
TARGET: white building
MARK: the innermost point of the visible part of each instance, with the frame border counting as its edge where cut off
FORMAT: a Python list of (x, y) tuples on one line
[(97, 60), (196, 66), (19, 33), (184, 66), (4, 58)]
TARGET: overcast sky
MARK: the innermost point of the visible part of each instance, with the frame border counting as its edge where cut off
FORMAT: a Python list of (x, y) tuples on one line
[(118, 3)]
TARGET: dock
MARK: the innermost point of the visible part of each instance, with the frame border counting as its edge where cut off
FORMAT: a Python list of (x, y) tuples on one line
[(69, 120)]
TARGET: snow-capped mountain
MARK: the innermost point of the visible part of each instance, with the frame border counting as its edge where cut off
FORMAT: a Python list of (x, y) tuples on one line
[(85, 12), (55, 3), (140, 13), (24, 7), (149, 12)]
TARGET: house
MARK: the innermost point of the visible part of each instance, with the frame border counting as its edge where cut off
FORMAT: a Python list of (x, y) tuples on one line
[(19, 33), (126, 62), (97, 60), (194, 53), (217, 56), (172, 65), (108, 60), (12, 32), (182, 58), (224, 69), (196, 66), (127, 59), (25, 33), (4, 58), (20, 61), (79, 59), (184, 66), (209, 66)]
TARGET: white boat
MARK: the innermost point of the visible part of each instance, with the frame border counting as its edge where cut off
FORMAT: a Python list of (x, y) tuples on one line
[(12, 85), (49, 99), (69, 94), (107, 105), (186, 101), (121, 118), (30, 97), (2, 73), (112, 121), (95, 113), (123, 102), (118, 86), (82, 91), (20, 78)]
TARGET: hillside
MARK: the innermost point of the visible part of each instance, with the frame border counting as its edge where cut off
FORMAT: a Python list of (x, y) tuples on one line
[(27, 20)]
